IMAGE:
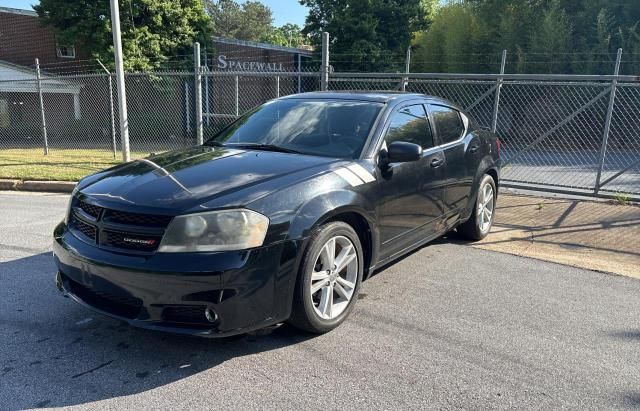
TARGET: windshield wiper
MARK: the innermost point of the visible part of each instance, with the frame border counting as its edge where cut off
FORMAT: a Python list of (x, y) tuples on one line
[(266, 147)]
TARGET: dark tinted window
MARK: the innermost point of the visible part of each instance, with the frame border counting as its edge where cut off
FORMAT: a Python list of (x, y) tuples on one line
[(333, 128), (410, 124), (447, 122)]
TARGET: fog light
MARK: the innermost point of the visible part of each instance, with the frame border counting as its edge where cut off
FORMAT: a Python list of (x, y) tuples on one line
[(211, 315)]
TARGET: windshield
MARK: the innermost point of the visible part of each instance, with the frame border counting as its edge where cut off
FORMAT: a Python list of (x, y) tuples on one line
[(331, 128)]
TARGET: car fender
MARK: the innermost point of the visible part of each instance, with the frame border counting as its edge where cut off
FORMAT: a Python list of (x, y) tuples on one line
[(311, 215), (486, 164), (328, 205)]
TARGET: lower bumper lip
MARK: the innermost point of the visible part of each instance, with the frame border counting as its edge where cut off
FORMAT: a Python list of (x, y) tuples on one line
[(158, 291), (150, 325)]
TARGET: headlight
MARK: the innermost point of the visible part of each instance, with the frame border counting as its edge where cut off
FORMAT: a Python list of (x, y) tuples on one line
[(223, 230), (66, 214)]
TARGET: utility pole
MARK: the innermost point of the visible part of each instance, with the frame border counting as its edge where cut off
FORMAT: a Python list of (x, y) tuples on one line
[(122, 94)]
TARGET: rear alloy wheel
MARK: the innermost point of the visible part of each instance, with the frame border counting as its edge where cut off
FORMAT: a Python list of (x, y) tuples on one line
[(484, 208), (481, 220), (330, 279)]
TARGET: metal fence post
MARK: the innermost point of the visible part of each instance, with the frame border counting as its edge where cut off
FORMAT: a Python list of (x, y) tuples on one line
[(206, 87), (496, 101), (277, 86), (407, 67), (607, 121), (299, 70), (198, 92), (42, 116), (187, 109), (113, 116), (237, 93), (324, 70)]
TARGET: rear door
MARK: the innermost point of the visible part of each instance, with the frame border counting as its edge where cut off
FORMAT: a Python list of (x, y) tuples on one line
[(410, 202), (461, 152)]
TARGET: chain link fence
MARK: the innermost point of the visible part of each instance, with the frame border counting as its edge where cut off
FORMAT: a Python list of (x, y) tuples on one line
[(553, 128), (569, 134)]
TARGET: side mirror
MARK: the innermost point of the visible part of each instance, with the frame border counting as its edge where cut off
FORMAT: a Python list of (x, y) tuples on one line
[(403, 152)]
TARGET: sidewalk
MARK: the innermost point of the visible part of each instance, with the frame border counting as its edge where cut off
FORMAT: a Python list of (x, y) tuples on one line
[(596, 235)]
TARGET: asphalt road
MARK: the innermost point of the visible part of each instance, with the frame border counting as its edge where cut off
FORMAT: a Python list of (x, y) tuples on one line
[(449, 326)]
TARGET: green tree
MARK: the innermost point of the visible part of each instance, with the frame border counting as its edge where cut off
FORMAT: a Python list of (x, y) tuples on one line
[(450, 43), (288, 35), (250, 20), (551, 42), (561, 36), (153, 31), (366, 35)]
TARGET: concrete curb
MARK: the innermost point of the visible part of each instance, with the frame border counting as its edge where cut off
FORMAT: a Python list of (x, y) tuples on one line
[(43, 186)]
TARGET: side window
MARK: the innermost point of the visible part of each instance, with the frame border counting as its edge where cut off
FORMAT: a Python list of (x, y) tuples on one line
[(410, 124), (447, 122)]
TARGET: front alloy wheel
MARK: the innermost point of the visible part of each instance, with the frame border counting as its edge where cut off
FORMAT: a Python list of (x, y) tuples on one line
[(329, 280), (334, 276)]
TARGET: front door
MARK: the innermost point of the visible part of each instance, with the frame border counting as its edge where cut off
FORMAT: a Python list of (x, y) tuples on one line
[(410, 200)]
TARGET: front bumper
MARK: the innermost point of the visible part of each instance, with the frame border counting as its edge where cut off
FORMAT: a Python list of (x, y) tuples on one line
[(242, 291)]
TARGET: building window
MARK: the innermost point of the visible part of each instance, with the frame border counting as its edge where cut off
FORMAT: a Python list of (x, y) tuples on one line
[(68, 52)]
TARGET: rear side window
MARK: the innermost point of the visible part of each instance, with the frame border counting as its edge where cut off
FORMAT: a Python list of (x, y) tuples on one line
[(410, 124), (447, 122)]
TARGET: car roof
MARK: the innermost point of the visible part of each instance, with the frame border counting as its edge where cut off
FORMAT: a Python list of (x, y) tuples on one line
[(373, 96)]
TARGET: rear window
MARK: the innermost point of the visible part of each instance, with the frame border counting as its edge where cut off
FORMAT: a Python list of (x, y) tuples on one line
[(448, 123), (410, 124)]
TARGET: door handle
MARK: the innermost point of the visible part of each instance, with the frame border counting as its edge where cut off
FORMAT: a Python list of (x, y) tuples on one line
[(436, 162), (474, 148)]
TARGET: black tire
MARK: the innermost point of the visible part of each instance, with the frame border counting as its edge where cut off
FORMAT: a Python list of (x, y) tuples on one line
[(303, 314), (471, 229)]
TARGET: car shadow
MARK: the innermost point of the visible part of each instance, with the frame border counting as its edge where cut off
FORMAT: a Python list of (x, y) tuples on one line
[(568, 224), (627, 335), (56, 353)]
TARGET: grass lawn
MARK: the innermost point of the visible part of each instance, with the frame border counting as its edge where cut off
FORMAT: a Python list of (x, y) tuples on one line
[(60, 164)]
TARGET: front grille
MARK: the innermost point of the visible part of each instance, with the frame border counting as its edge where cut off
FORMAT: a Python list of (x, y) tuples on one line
[(120, 305), (145, 220), (116, 229), (90, 209), (185, 314), (130, 241), (87, 230)]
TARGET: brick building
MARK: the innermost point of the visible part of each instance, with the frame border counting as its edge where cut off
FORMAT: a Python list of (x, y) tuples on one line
[(240, 55), (23, 39)]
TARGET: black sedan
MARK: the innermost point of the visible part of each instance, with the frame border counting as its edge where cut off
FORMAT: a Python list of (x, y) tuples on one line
[(280, 216)]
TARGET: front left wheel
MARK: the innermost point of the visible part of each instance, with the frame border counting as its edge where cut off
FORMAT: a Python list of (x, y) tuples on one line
[(329, 280)]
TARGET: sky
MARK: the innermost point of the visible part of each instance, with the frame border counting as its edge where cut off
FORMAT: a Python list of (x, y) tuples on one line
[(284, 11)]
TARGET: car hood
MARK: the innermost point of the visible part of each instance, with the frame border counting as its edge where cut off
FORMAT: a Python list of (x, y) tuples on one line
[(199, 178)]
